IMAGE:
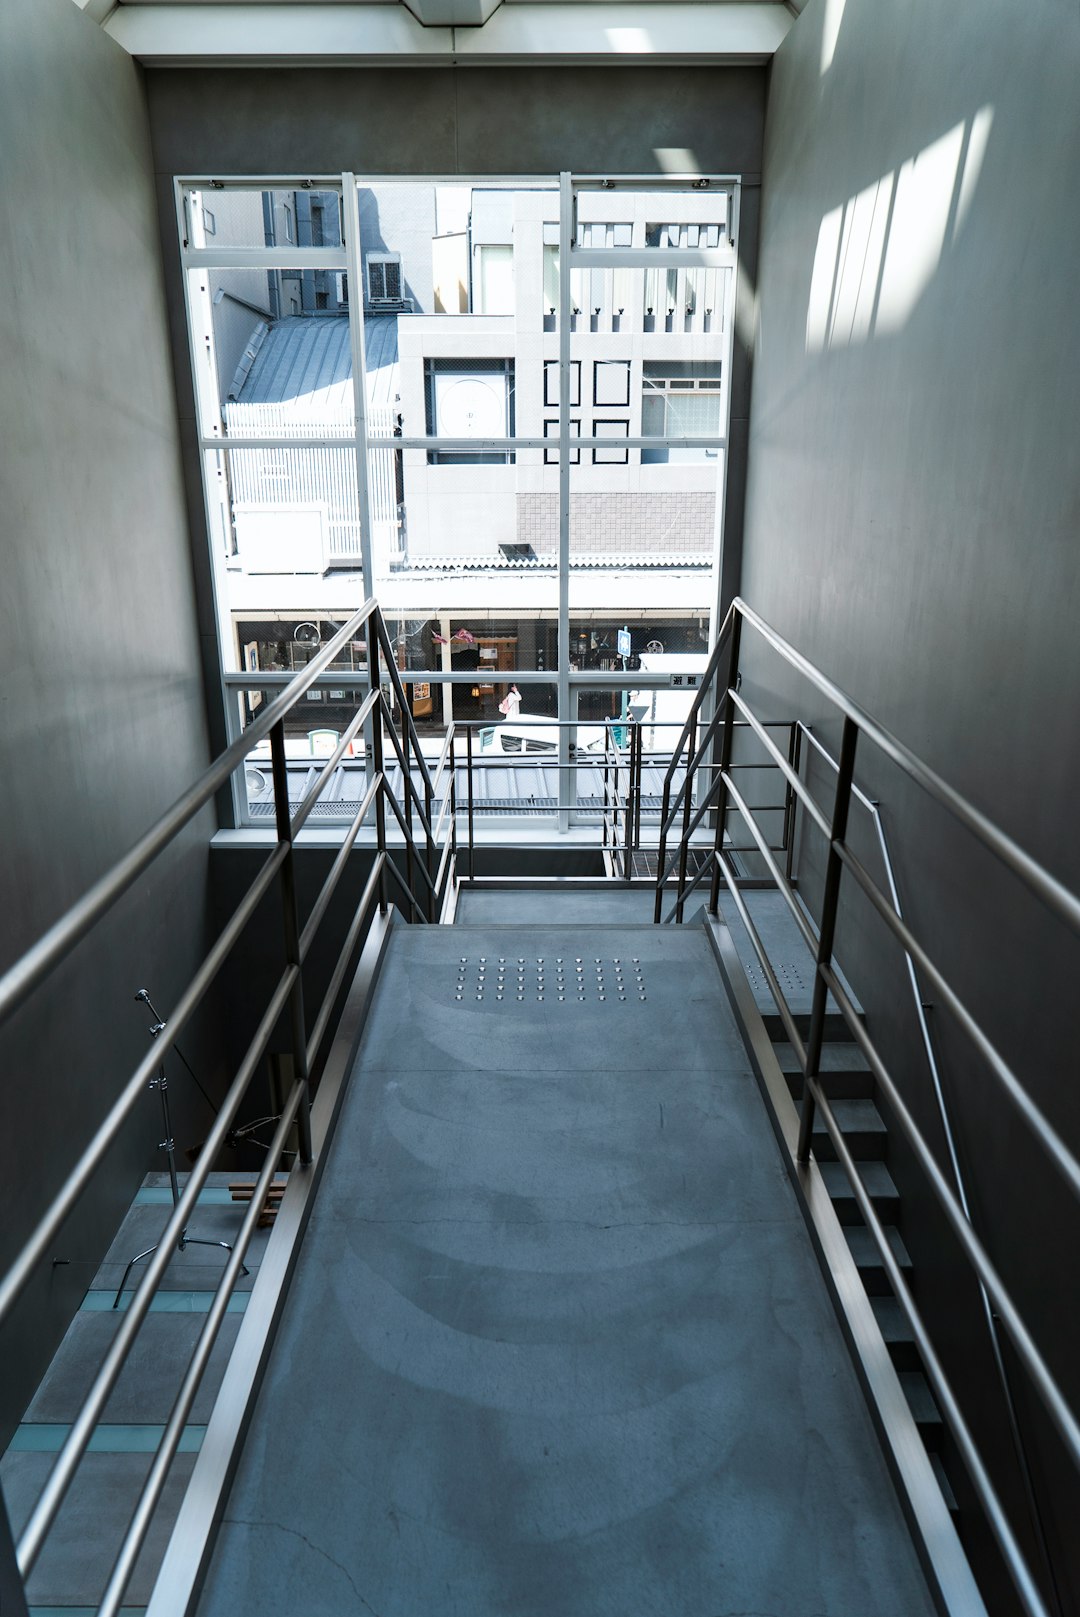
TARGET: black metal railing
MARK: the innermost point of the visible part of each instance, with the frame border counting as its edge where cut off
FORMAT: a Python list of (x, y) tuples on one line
[(705, 746), (424, 885)]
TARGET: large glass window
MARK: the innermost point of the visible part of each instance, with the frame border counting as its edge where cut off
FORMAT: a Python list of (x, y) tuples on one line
[(381, 369)]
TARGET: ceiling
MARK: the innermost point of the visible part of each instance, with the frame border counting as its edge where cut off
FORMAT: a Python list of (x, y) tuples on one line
[(343, 32)]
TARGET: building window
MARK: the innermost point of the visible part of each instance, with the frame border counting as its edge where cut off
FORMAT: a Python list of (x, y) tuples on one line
[(611, 381), (384, 279), (469, 398), (603, 233), (679, 400), (551, 430), (696, 235), (493, 278), (288, 222), (551, 280), (613, 456), (551, 382)]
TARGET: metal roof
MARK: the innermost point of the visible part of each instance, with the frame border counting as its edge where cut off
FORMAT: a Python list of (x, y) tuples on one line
[(508, 786), (307, 362)]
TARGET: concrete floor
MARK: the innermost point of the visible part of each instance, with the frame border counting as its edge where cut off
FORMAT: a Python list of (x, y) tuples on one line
[(566, 906), (557, 1345)]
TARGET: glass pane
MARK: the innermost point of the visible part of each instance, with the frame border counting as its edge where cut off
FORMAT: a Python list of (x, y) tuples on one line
[(614, 218), (456, 272), (235, 217), (642, 521), (294, 512), (473, 537), (277, 355)]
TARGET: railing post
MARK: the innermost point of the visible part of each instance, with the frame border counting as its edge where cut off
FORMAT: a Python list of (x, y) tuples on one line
[(688, 804), (432, 858), (453, 808), (727, 736), (606, 775), (380, 804), (661, 851), (794, 758), (638, 768), (833, 871), (628, 806), (406, 792), (292, 938), (469, 788)]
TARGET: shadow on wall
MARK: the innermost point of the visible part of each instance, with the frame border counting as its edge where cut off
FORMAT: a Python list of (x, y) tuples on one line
[(879, 251)]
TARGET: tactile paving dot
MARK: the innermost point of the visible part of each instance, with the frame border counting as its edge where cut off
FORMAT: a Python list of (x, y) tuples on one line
[(536, 980)]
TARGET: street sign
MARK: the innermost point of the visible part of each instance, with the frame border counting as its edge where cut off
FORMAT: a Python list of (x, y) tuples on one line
[(624, 643)]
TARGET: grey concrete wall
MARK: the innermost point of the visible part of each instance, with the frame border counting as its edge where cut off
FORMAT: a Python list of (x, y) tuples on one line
[(102, 710), (467, 121), (401, 219), (912, 526)]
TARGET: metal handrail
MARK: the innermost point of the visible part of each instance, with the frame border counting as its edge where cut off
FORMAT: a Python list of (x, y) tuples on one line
[(23, 976), (1054, 894), (1019, 1446), (28, 973), (842, 859)]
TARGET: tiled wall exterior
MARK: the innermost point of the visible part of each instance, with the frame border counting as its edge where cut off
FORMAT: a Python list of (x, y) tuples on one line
[(646, 524)]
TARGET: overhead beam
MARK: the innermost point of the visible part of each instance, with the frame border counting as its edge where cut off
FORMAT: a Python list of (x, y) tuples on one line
[(96, 10), (315, 35), (452, 13)]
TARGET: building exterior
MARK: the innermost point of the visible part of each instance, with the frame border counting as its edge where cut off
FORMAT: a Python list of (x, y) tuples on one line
[(460, 332)]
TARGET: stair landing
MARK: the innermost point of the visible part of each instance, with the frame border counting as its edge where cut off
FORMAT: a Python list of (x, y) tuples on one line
[(557, 1344)]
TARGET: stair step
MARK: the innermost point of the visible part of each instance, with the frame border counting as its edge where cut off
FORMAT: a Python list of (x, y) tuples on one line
[(863, 1129), (839, 1084), (923, 1406), (894, 1327), (836, 1030), (878, 1182), (838, 1056), (864, 1250)]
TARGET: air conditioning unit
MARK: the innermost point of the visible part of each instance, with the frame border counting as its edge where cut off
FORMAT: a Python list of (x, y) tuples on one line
[(384, 280)]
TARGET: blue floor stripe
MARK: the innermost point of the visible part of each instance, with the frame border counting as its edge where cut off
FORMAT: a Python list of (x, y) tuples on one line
[(48, 1437), (161, 1196), (163, 1302)]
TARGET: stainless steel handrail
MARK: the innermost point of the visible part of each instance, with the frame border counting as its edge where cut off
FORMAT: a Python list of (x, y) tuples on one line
[(23, 976), (64, 936), (999, 1305), (873, 809), (1053, 893)]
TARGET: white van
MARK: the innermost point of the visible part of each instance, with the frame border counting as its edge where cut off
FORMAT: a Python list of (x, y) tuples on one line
[(534, 733), (662, 713)]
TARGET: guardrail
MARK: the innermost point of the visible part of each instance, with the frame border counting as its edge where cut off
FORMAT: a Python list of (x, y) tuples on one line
[(425, 885), (706, 740)]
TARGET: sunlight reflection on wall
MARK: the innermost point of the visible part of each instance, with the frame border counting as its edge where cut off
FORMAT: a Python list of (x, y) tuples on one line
[(877, 253), (830, 31)]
